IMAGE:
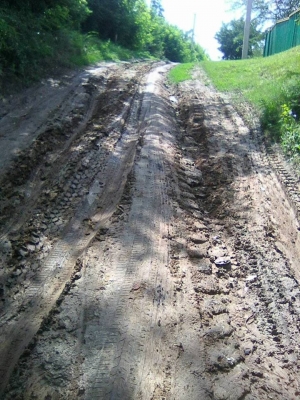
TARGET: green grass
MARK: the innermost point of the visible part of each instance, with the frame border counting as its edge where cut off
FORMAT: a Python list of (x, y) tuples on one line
[(272, 86), (260, 80), (181, 72)]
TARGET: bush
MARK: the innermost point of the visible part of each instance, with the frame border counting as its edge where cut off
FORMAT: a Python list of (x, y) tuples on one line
[(290, 130)]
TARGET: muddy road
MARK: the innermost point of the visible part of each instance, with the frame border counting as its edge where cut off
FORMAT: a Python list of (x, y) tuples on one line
[(149, 241)]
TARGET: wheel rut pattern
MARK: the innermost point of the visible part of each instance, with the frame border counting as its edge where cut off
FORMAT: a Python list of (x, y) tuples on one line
[(98, 206), (173, 272), (118, 362)]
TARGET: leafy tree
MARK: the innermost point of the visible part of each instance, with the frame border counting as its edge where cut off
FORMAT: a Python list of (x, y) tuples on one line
[(265, 10), (134, 25), (157, 8), (283, 8), (122, 21), (77, 10), (35, 34), (230, 37)]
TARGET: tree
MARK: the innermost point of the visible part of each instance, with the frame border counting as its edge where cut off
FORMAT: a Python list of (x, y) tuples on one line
[(157, 8), (126, 22), (230, 37), (265, 10), (283, 8)]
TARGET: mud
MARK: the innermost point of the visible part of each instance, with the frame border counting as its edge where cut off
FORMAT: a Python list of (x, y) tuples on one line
[(149, 243)]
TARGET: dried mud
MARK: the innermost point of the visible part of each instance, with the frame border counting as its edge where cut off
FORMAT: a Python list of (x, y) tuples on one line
[(150, 244)]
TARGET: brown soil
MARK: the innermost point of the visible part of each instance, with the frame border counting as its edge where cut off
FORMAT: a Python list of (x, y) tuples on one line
[(149, 241)]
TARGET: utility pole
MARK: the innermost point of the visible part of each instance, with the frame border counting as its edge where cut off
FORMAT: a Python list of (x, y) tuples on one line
[(247, 30), (194, 25)]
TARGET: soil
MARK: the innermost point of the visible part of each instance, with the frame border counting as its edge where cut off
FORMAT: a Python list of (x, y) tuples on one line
[(150, 243)]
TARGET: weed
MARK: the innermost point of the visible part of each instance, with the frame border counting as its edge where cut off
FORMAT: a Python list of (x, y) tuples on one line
[(290, 130)]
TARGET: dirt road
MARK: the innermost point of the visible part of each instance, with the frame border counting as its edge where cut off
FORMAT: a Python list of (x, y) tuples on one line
[(150, 244)]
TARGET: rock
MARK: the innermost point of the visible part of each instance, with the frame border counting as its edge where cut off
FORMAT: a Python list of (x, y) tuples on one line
[(52, 195), (216, 252), (199, 238), (17, 272), (77, 275), (200, 226), (208, 286), (223, 262), (5, 246), (213, 306), (196, 252), (193, 183), (30, 247), (220, 332), (23, 252), (173, 99), (205, 267), (251, 278), (35, 239), (259, 374)]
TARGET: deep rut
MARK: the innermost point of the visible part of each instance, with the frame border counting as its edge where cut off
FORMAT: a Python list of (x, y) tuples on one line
[(105, 187)]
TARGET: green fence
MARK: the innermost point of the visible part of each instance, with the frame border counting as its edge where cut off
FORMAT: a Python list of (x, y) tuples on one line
[(283, 35)]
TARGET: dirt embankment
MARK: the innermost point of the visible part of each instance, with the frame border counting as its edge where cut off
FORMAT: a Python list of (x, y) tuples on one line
[(149, 245)]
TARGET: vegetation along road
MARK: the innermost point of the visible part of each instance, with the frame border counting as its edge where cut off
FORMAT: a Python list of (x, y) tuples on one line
[(150, 243)]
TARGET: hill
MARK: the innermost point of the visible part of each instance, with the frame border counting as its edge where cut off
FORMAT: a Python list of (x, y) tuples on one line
[(272, 87)]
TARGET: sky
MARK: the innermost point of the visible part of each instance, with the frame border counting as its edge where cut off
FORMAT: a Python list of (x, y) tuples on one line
[(209, 17)]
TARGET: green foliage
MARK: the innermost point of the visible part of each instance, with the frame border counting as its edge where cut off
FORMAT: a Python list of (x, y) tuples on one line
[(133, 25), (157, 8), (77, 10), (266, 10), (93, 49), (181, 72), (36, 35), (290, 130), (126, 22), (231, 35), (272, 85)]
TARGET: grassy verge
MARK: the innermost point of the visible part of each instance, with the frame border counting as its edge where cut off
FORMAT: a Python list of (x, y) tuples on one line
[(272, 86), (181, 72)]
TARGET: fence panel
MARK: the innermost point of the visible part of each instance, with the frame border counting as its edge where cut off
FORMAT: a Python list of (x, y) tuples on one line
[(284, 35)]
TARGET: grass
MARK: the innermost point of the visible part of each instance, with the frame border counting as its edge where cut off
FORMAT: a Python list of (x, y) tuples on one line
[(271, 85), (181, 72), (91, 50), (261, 80)]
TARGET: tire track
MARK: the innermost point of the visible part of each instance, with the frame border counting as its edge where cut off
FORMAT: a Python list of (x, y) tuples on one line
[(249, 336), (39, 298), (119, 363)]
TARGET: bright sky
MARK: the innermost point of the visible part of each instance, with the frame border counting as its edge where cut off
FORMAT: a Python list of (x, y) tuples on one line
[(209, 17)]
